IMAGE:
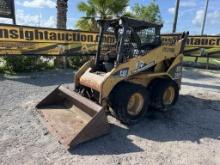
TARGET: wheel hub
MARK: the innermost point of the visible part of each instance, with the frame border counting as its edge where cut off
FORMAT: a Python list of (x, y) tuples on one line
[(135, 104), (169, 95)]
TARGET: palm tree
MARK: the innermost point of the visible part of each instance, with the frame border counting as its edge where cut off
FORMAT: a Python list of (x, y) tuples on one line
[(102, 9), (150, 12), (61, 14), (61, 24)]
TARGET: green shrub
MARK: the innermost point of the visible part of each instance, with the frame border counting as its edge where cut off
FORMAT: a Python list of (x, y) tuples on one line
[(1, 70), (14, 64), (2, 64), (77, 61)]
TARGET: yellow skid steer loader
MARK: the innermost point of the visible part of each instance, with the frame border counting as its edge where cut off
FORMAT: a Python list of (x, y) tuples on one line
[(126, 77)]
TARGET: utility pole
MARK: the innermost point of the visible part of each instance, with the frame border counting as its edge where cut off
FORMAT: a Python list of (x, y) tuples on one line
[(202, 50), (13, 12), (176, 15), (202, 33), (204, 18)]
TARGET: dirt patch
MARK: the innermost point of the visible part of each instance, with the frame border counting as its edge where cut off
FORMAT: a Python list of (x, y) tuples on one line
[(188, 134)]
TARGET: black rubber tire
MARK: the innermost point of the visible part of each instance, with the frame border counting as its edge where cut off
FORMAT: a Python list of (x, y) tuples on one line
[(119, 101), (157, 89)]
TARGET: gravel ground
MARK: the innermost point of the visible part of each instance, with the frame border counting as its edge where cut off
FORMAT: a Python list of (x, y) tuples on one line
[(188, 134)]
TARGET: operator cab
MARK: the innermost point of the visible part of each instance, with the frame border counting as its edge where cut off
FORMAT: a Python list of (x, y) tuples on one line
[(131, 38)]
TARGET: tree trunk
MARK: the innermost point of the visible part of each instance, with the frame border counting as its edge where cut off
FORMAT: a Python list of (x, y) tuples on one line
[(61, 24)]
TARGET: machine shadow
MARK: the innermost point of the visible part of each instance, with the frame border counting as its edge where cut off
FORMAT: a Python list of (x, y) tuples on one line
[(187, 121)]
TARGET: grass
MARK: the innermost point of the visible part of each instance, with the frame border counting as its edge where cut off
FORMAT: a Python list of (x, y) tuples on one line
[(202, 60)]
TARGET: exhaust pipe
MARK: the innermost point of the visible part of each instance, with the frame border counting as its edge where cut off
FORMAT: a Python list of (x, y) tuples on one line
[(72, 118)]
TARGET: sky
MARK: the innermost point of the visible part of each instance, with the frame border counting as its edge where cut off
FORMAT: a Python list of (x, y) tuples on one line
[(43, 13)]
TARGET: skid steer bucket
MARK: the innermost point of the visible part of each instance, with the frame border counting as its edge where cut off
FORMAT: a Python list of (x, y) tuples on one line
[(72, 118)]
